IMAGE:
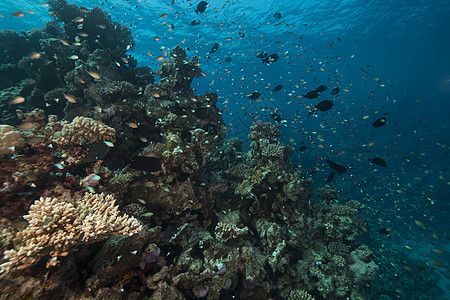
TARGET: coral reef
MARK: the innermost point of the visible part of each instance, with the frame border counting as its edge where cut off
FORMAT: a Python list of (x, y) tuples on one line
[(102, 31), (203, 218)]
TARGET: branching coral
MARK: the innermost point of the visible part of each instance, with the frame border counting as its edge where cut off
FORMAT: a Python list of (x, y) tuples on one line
[(342, 221), (228, 227), (261, 130), (266, 141), (271, 150), (327, 194), (154, 150), (300, 295), (84, 131), (56, 227), (178, 72)]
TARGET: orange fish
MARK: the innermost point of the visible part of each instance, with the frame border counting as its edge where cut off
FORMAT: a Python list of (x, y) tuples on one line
[(34, 55), (17, 100), (438, 251), (419, 223), (437, 264), (25, 126), (64, 42), (70, 98), (18, 14), (94, 75)]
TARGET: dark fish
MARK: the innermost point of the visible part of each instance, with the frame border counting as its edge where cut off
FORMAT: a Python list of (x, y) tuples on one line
[(214, 48), (276, 117), (144, 163), (271, 58), (277, 88), (302, 148), (201, 7), (202, 113), (312, 94), (321, 88), (330, 177), (262, 54), (277, 15), (228, 59), (325, 105), (378, 161), (195, 22), (379, 122), (383, 230), (335, 91), (241, 34), (338, 168), (254, 95)]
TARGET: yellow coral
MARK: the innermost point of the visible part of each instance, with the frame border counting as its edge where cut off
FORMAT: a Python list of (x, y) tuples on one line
[(56, 227)]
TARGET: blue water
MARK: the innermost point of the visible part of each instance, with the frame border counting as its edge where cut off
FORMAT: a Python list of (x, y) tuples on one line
[(400, 47)]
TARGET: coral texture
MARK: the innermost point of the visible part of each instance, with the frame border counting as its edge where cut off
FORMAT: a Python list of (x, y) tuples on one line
[(59, 226), (9, 139), (84, 130), (261, 130)]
